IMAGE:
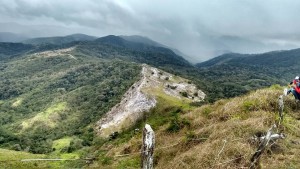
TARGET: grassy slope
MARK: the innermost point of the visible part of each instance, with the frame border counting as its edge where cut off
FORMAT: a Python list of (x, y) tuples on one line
[(198, 142), (11, 159)]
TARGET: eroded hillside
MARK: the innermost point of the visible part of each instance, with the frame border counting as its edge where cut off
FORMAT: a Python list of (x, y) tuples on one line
[(141, 97)]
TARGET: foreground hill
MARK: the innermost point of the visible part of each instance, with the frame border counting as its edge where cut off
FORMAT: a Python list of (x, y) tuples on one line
[(212, 136)]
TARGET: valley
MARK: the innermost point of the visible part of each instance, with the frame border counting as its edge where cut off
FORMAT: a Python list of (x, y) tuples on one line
[(81, 97)]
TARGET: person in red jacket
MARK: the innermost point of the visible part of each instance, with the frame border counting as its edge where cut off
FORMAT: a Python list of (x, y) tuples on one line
[(295, 89)]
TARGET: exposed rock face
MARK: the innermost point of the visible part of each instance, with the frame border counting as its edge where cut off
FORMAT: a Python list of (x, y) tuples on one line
[(55, 53), (140, 98)]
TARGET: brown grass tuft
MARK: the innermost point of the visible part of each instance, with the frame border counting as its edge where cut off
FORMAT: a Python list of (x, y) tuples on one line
[(219, 135)]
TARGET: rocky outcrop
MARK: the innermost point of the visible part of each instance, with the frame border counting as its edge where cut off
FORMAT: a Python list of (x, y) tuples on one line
[(140, 98)]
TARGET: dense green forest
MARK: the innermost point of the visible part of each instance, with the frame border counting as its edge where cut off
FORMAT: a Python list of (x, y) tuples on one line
[(59, 96)]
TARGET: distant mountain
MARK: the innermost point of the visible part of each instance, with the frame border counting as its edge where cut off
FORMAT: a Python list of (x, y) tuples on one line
[(143, 40), (60, 39), (286, 58), (191, 59), (11, 37), (147, 41), (134, 42), (233, 74), (137, 51), (222, 59)]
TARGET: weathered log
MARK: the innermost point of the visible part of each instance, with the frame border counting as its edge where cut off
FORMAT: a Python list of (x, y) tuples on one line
[(256, 156), (281, 106), (147, 148)]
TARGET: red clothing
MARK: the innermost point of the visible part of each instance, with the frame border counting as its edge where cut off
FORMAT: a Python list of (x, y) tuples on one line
[(297, 84)]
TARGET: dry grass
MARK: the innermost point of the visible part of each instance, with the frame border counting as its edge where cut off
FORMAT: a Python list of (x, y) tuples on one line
[(219, 135)]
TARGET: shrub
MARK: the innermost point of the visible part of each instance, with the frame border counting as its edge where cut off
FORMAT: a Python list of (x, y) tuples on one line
[(106, 160), (206, 111), (184, 94), (173, 87), (248, 105), (75, 145), (177, 124)]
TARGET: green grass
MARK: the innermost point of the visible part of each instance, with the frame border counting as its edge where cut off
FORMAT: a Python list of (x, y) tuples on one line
[(129, 163), (49, 117), (12, 160), (17, 102), (60, 144)]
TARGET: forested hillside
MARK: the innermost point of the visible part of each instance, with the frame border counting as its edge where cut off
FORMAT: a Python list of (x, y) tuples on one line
[(51, 95), (234, 74)]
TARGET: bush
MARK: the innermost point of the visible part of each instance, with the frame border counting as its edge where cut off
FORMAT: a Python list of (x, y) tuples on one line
[(184, 94), (177, 123), (206, 111), (113, 135), (106, 160), (75, 145), (173, 87)]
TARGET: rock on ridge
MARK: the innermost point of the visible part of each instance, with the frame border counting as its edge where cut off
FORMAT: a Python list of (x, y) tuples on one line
[(140, 98)]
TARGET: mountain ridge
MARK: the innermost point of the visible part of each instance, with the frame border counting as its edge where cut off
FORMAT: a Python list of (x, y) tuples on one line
[(11, 37), (59, 40), (266, 59), (142, 96)]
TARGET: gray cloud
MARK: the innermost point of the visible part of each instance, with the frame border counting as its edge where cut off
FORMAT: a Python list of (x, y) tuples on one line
[(201, 29)]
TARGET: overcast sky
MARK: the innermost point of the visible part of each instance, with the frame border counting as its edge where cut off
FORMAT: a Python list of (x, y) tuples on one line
[(201, 29)]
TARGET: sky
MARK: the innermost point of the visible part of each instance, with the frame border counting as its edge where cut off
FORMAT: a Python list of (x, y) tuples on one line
[(201, 29)]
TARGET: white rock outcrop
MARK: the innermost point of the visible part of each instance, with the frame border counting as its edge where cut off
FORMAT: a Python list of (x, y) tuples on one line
[(140, 98)]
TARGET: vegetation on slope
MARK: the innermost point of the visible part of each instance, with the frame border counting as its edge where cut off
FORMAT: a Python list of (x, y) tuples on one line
[(11, 159), (212, 136), (48, 104), (45, 97), (9, 50), (226, 76), (223, 79), (234, 74)]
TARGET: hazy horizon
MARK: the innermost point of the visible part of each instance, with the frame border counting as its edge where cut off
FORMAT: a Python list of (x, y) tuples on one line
[(199, 29)]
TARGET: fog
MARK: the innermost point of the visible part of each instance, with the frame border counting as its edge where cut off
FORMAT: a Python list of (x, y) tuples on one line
[(200, 29)]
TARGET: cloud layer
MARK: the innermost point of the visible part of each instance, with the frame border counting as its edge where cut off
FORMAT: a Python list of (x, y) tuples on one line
[(201, 29)]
